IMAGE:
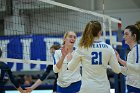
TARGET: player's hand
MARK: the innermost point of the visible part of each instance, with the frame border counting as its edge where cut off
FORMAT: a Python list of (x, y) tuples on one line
[(117, 55), (24, 91), (64, 50), (28, 89)]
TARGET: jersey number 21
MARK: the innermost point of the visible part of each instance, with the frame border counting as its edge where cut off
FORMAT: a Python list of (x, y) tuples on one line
[(96, 58)]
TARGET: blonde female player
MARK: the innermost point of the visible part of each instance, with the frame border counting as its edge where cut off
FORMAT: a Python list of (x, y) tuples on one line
[(132, 67), (68, 81), (95, 56)]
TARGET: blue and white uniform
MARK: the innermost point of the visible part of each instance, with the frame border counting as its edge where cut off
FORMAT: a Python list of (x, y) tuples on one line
[(66, 77), (132, 71), (95, 61)]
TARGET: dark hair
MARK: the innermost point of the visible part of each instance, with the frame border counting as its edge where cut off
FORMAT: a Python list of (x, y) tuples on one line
[(55, 46), (133, 29)]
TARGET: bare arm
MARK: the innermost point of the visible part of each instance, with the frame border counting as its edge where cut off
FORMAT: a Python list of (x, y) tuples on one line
[(113, 62), (60, 60), (122, 62), (21, 90), (35, 85)]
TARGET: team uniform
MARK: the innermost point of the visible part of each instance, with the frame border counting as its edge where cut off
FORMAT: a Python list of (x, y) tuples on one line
[(68, 81), (132, 71), (95, 61)]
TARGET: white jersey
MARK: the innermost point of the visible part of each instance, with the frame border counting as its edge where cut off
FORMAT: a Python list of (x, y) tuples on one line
[(133, 67), (95, 61), (65, 76)]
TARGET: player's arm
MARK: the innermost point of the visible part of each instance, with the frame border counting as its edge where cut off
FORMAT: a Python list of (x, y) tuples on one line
[(129, 65), (134, 67), (35, 85), (6, 68), (74, 61), (114, 62), (21, 90), (122, 62), (58, 61), (39, 81)]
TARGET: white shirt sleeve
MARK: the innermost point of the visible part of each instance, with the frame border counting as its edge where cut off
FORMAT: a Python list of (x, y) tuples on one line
[(133, 67), (74, 61), (56, 58), (124, 70), (113, 62)]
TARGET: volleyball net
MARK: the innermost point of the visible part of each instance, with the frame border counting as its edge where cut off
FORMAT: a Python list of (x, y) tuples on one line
[(31, 27)]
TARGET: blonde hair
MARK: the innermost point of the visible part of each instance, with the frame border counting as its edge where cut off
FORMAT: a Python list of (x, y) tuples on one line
[(65, 35), (91, 31)]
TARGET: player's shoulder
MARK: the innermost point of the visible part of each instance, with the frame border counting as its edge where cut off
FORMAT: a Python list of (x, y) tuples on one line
[(139, 46), (109, 46), (102, 42), (79, 50)]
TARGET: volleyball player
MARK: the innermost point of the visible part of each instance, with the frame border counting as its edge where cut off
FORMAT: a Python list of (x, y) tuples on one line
[(68, 81), (132, 66), (5, 69), (94, 56)]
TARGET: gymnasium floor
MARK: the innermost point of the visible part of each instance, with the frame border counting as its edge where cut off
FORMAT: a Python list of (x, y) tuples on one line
[(45, 91)]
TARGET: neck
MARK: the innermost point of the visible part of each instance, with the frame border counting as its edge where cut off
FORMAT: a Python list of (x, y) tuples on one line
[(96, 39), (132, 45), (70, 48)]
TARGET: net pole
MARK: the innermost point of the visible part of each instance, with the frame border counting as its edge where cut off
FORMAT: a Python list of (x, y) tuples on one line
[(104, 27), (110, 31)]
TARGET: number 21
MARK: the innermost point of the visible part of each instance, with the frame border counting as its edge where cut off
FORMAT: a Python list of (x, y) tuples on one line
[(96, 58)]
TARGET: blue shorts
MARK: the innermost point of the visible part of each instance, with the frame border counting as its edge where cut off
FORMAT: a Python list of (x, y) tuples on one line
[(73, 88), (132, 89)]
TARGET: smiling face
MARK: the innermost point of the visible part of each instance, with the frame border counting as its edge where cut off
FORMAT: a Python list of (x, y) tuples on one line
[(70, 38), (128, 37)]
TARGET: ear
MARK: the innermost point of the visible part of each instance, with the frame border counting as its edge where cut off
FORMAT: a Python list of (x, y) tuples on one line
[(134, 36), (100, 33)]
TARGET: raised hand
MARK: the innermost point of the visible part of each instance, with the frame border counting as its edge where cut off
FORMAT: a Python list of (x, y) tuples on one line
[(64, 50), (117, 55)]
